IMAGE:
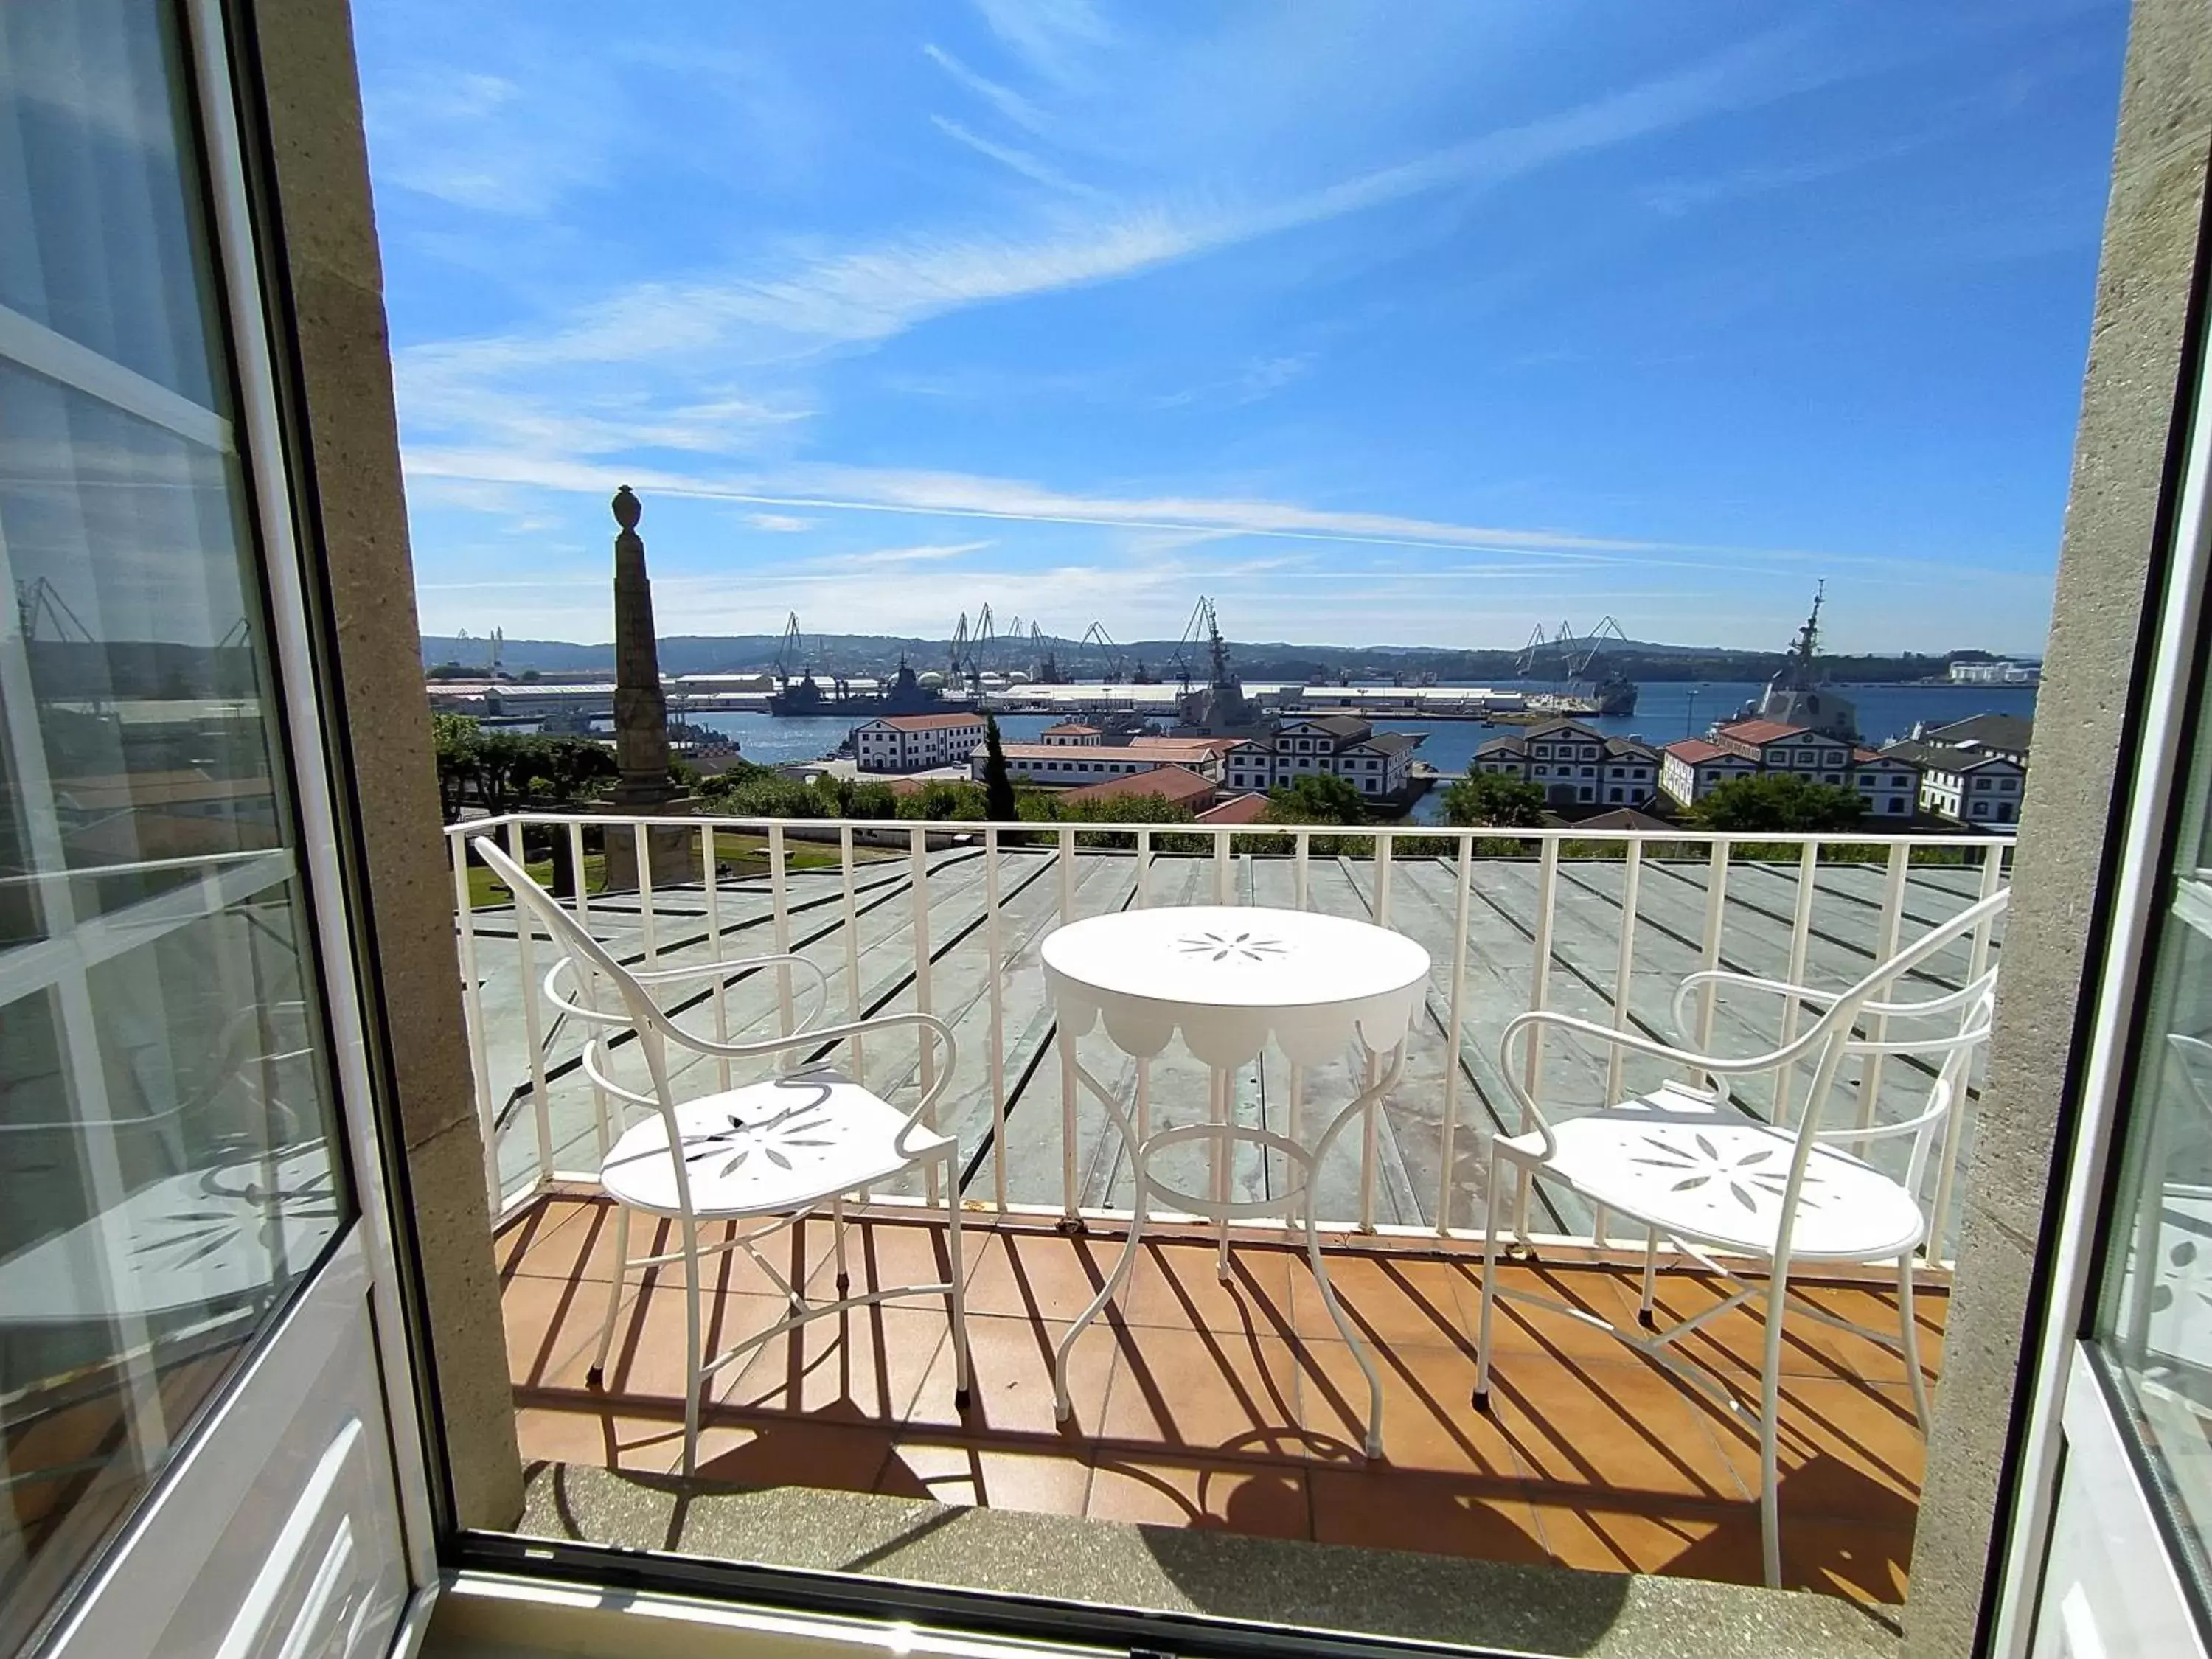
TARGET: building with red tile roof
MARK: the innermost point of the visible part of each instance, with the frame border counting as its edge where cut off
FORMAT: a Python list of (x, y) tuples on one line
[(1178, 786)]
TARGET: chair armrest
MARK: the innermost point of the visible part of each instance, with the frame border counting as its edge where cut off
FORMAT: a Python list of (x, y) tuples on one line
[(1718, 976), (1634, 1042)]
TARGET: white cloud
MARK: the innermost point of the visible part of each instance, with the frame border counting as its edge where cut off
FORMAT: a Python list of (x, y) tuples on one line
[(781, 523), (1051, 35), (1004, 98), (925, 554), (1015, 161)]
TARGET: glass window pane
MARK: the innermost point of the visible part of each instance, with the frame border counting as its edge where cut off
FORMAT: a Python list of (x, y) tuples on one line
[(94, 150), (168, 1161), (2154, 1313)]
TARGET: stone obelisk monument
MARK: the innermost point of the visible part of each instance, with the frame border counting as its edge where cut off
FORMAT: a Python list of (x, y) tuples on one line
[(641, 722), (640, 709)]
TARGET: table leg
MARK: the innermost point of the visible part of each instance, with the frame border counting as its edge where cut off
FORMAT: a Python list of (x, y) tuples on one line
[(1363, 1103)]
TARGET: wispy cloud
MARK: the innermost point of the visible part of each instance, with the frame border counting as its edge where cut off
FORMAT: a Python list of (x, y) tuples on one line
[(1015, 161), (928, 553), (780, 524), (1004, 98), (505, 390), (1052, 36)]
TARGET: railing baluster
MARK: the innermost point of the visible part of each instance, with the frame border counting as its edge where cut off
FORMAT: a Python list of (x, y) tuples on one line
[(779, 898), (534, 1031), (1456, 1036), (1066, 1041), (1954, 1127), (1144, 869), (1709, 953), (1892, 920), (600, 1136), (852, 931), (994, 950), (648, 920), (918, 879), (1624, 967), (1800, 934), (1303, 838), (1370, 1127), (473, 1013), (711, 873), (1539, 985), (1223, 869)]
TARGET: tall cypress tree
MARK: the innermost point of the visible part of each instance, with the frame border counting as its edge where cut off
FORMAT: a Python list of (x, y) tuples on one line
[(999, 804)]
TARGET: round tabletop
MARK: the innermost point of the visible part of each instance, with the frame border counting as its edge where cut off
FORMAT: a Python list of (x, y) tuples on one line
[(1230, 978)]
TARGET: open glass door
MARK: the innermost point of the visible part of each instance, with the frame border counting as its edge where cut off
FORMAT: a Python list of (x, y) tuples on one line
[(2126, 1426), (194, 1442)]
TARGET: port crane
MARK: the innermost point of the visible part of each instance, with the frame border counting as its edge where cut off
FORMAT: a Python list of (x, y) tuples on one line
[(1117, 660), (791, 655), (1576, 651)]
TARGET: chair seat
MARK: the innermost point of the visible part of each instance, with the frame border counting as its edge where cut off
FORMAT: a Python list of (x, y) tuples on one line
[(1675, 1161), (768, 1148)]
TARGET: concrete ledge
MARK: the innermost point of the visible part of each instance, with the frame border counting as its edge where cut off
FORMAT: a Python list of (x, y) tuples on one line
[(1360, 1592)]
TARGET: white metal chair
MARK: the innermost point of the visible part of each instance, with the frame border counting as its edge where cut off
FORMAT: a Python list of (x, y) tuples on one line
[(1692, 1169), (776, 1151)]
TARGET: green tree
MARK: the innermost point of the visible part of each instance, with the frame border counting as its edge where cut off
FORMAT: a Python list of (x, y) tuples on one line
[(1776, 800), (999, 803), (458, 743), (1317, 798), (1492, 798)]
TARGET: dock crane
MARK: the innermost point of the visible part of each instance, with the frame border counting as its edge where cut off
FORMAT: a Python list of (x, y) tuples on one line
[(791, 653), (1117, 662)]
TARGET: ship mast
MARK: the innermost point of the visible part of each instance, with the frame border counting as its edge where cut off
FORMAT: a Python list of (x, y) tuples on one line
[(1807, 643)]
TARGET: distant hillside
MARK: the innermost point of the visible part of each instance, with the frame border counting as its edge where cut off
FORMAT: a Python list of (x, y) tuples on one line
[(877, 654)]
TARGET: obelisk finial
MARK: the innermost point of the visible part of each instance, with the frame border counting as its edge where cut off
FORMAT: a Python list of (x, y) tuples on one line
[(628, 508)]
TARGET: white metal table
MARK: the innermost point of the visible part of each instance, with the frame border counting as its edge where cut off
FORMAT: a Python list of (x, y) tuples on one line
[(1231, 980)]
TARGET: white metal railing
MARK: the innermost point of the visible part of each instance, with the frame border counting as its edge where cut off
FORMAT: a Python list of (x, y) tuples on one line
[(946, 917)]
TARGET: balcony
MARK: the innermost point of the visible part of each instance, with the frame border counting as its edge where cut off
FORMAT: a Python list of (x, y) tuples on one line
[(1203, 1404)]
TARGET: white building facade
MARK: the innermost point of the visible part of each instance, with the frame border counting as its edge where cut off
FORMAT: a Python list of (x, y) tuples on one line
[(1972, 786), (1080, 763), (914, 742), (1329, 745), (1574, 765), (1888, 785), (1690, 768)]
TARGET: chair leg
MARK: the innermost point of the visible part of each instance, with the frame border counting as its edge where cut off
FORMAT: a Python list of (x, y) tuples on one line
[(837, 1236), (1491, 1198), (694, 1384), (957, 1297), (1910, 1334), (1770, 1412), (1650, 1276), (599, 1371)]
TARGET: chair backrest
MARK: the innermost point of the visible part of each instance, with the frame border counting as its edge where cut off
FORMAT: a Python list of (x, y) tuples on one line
[(1835, 1036), (593, 964)]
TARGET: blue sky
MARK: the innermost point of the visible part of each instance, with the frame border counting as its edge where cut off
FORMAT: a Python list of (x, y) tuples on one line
[(1413, 323)]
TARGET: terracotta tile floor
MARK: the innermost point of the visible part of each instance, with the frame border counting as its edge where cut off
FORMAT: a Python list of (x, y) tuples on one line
[(1236, 1405)]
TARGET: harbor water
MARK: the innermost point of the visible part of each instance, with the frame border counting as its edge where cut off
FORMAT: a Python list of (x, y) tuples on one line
[(1665, 710)]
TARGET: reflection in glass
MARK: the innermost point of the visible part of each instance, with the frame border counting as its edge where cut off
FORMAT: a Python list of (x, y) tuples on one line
[(2154, 1312), (168, 1169)]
